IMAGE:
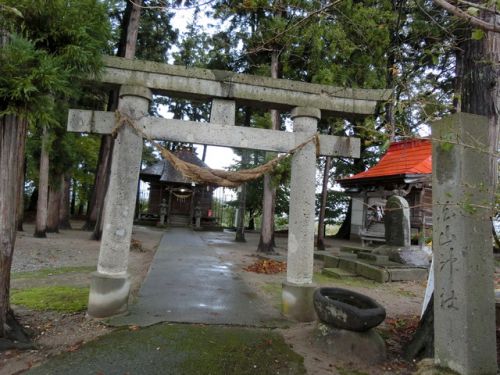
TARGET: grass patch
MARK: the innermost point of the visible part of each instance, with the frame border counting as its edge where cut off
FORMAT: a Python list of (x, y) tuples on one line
[(56, 298), (47, 272), (361, 282), (181, 349)]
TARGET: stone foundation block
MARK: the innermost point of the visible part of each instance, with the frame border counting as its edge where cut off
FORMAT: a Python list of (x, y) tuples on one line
[(375, 273), (377, 259), (297, 301), (407, 274), (348, 265), (367, 347), (331, 261), (108, 295), (337, 273)]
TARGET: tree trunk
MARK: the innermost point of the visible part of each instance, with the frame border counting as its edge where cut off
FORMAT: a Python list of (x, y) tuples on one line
[(320, 244), (100, 184), (242, 196), (266, 241), (64, 206), (43, 188), (422, 342), (129, 30), (72, 205), (20, 197), (54, 204), (12, 141), (240, 228), (251, 220), (344, 232), (358, 166)]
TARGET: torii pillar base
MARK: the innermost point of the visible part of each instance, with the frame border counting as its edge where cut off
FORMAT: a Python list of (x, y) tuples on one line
[(108, 295), (297, 301)]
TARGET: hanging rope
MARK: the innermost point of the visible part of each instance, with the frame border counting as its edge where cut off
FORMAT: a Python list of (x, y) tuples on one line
[(208, 175)]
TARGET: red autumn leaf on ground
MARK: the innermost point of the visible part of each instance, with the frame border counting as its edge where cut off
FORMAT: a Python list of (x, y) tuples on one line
[(266, 266), (75, 346)]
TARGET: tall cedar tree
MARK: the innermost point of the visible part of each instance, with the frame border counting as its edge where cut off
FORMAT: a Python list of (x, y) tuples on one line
[(39, 61)]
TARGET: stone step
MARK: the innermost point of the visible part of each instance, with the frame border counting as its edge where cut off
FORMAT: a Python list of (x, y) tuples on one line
[(354, 249), (178, 220), (407, 274), (375, 258), (383, 272), (318, 254), (338, 273)]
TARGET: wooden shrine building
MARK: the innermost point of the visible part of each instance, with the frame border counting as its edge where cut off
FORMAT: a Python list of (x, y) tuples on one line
[(181, 196), (405, 170)]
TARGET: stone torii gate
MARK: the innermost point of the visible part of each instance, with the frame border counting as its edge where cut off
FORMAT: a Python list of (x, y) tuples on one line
[(138, 80)]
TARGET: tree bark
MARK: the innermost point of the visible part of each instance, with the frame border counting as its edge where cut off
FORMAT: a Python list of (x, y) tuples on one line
[(72, 205), (101, 179), (251, 220), (344, 232), (12, 141), (267, 224), (43, 188), (320, 243), (240, 228), (266, 241), (20, 196), (358, 166), (422, 342), (64, 216), (242, 196), (54, 203)]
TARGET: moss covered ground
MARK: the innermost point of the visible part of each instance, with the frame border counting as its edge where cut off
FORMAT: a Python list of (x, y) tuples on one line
[(47, 272), (55, 298), (181, 349)]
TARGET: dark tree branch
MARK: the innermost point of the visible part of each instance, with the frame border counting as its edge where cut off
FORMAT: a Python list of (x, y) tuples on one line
[(477, 22)]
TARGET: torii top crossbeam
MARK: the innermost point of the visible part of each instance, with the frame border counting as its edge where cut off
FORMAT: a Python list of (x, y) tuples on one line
[(263, 92)]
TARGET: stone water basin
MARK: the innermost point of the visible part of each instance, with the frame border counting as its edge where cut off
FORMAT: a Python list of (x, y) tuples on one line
[(345, 309)]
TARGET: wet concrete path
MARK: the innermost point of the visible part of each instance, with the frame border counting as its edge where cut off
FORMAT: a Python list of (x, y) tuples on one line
[(189, 283)]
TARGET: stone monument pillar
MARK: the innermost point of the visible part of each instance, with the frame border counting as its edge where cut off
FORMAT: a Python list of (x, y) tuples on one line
[(462, 202), (397, 222), (298, 288), (110, 285)]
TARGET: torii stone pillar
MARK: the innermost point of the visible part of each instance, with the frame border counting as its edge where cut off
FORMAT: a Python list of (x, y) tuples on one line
[(462, 199), (298, 289), (110, 285)]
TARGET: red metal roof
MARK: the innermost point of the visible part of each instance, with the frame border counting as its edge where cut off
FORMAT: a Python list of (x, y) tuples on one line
[(408, 157)]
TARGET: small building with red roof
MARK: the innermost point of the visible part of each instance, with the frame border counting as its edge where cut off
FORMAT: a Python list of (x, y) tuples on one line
[(405, 170)]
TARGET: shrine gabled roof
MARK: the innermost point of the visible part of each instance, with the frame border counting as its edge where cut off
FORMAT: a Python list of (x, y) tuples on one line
[(164, 171), (406, 158)]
